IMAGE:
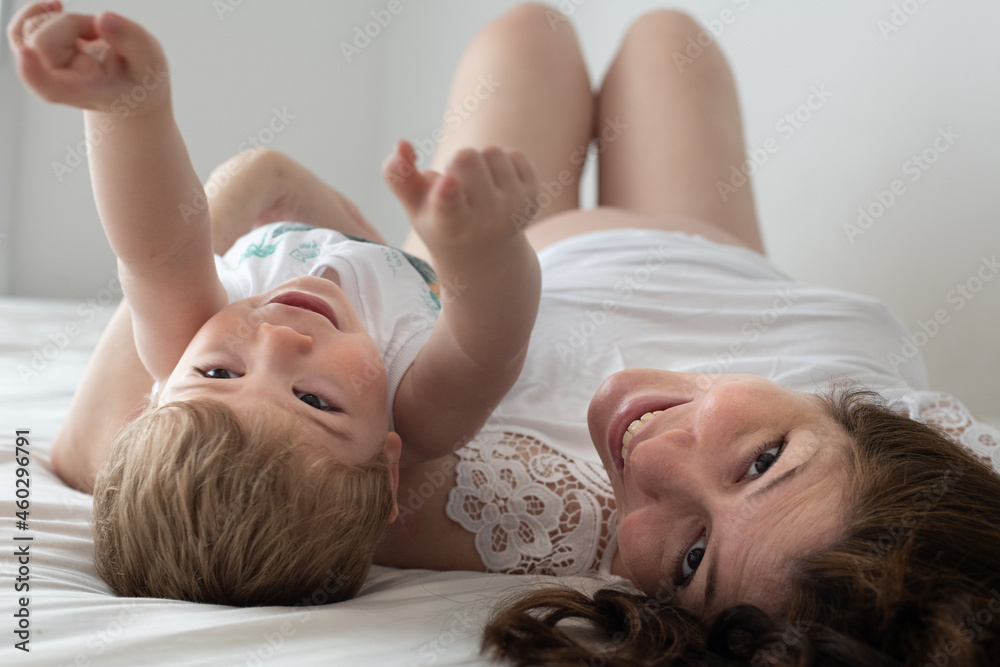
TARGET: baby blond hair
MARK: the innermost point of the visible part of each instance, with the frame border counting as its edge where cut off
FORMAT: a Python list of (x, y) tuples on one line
[(195, 505)]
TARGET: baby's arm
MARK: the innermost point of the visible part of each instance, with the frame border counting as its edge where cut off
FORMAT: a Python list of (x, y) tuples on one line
[(144, 184), (490, 287)]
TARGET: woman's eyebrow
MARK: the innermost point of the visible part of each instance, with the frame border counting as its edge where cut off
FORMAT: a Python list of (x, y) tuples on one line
[(709, 586)]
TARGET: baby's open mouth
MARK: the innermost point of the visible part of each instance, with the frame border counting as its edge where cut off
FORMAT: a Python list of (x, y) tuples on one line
[(307, 302)]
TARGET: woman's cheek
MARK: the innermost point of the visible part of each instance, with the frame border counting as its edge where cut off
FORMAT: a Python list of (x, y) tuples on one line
[(640, 543)]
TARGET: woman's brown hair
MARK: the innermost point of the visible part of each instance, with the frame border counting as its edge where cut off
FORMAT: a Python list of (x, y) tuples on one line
[(914, 580), (193, 504)]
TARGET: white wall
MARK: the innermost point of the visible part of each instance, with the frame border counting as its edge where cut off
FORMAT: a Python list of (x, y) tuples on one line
[(229, 72), (9, 150), (891, 94)]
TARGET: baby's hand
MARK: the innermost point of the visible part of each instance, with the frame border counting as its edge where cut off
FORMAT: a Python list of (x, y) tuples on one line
[(90, 62), (478, 205)]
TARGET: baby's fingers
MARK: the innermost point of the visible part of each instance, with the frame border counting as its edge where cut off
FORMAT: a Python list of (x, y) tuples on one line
[(401, 164), (469, 167), (28, 20), (404, 179), (137, 47), (72, 85), (525, 168), (446, 195), (56, 41), (501, 168)]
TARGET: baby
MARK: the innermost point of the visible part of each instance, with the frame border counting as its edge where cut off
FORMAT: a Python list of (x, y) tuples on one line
[(298, 372)]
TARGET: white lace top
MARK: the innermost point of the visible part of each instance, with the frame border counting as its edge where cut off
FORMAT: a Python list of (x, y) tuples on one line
[(950, 415), (532, 509), (532, 489)]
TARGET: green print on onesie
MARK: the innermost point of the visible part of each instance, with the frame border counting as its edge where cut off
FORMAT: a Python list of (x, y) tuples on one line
[(431, 300), (268, 244), (257, 250), (305, 251), (391, 258), (264, 249)]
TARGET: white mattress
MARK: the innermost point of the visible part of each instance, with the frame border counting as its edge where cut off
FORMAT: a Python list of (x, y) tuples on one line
[(401, 617)]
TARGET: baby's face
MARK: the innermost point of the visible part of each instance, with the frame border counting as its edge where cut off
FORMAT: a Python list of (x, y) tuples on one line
[(298, 350)]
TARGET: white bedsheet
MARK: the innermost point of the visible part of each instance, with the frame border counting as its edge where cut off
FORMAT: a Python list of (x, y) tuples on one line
[(401, 617)]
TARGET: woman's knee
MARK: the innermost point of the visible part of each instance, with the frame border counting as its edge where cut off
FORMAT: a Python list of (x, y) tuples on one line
[(673, 36), (528, 14), (533, 23), (664, 23)]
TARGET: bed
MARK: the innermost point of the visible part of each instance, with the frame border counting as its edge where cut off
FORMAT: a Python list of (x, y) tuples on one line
[(400, 617)]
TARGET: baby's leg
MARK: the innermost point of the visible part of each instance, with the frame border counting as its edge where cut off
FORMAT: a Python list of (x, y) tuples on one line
[(261, 186), (684, 129), (526, 78)]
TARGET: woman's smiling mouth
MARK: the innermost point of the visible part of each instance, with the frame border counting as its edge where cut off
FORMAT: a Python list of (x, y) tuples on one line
[(629, 420)]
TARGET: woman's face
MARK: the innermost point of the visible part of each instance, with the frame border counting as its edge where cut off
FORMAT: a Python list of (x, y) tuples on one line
[(722, 480)]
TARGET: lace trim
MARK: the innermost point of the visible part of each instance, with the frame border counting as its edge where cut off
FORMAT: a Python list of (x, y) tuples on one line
[(532, 509), (951, 416)]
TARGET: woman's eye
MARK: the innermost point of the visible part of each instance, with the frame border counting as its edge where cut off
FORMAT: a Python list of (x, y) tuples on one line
[(764, 461), (219, 374), (314, 401), (691, 560)]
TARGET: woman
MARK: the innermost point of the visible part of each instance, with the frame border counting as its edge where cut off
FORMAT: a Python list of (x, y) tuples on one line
[(726, 490), (870, 544)]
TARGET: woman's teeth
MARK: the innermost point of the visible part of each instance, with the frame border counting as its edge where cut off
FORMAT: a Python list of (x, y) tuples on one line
[(632, 428)]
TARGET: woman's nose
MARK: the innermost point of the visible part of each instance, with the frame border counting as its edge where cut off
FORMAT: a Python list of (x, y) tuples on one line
[(670, 465)]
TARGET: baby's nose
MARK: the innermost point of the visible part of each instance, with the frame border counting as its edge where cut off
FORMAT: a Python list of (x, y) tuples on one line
[(285, 339)]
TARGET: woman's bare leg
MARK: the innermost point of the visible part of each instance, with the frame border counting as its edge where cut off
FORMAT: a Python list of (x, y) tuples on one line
[(685, 132), (541, 103)]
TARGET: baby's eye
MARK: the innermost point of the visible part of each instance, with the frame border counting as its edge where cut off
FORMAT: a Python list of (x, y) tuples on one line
[(219, 374), (314, 401)]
